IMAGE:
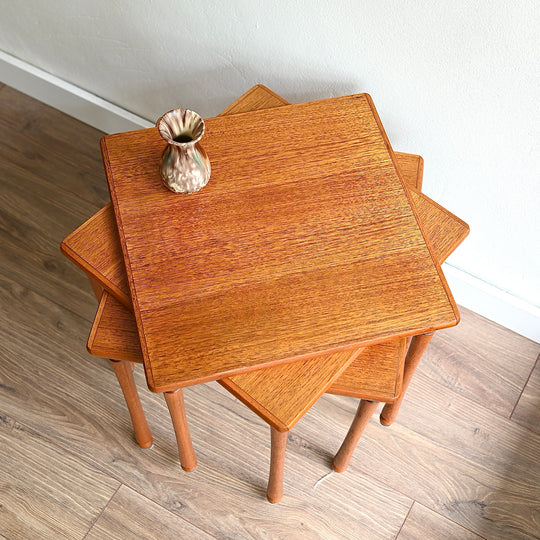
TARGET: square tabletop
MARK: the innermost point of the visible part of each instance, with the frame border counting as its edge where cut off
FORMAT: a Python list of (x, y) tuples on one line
[(304, 241)]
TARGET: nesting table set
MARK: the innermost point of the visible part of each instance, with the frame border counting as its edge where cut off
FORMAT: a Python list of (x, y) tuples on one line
[(310, 263)]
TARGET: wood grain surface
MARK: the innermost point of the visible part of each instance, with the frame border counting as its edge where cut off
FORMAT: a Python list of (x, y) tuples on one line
[(256, 98), (422, 523), (259, 97), (375, 374), (114, 332), (462, 453), (281, 395), (204, 309), (130, 515), (444, 230), (95, 246), (34, 219), (497, 378), (72, 402), (42, 482), (52, 150)]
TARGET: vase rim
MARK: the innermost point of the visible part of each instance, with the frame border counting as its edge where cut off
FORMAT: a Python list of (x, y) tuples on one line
[(165, 128)]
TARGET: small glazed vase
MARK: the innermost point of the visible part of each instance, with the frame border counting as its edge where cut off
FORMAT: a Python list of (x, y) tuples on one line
[(185, 167)]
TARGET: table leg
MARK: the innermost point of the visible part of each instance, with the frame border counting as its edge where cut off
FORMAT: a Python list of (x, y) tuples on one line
[(124, 373), (175, 403), (274, 491), (416, 350), (364, 412)]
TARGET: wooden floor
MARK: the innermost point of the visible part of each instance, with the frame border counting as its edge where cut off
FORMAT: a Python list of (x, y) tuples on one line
[(462, 460)]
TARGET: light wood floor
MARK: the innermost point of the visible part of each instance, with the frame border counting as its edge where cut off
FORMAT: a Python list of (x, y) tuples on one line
[(462, 460)]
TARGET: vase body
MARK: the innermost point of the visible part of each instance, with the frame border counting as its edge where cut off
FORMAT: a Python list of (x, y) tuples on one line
[(185, 167)]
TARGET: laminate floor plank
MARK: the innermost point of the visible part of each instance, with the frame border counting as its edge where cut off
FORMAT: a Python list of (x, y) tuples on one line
[(482, 361), (45, 491), (131, 516), (527, 411), (422, 523)]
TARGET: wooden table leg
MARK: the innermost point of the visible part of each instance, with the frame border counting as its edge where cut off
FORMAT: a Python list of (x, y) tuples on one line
[(124, 373), (274, 491), (416, 350), (175, 403), (364, 412)]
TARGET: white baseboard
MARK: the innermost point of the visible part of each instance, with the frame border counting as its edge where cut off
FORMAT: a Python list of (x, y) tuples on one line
[(67, 97), (468, 291), (493, 303)]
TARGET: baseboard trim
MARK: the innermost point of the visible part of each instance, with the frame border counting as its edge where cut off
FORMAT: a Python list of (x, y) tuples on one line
[(469, 291), (493, 303), (67, 97)]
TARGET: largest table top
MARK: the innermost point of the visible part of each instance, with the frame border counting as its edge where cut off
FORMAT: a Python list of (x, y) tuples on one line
[(304, 241)]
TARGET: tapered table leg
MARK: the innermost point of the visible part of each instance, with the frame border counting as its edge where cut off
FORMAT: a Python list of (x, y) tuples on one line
[(124, 373), (416, 350), (175, 403), (274, 492), (363, 414)]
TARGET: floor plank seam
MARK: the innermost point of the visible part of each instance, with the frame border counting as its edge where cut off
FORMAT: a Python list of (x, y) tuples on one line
[(523, 389), (98, 468), (372, 476), (176, 514), (405, 520), (102, 511), (467, 529), (57, 445), (65, 157)]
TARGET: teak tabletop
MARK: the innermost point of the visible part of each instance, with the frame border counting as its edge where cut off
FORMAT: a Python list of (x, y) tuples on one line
[(304, 241)]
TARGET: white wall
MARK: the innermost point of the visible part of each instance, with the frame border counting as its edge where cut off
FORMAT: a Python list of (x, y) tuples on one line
[(456, 82)]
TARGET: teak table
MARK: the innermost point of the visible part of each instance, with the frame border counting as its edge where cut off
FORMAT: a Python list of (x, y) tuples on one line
[(303, 242), (95, 248)]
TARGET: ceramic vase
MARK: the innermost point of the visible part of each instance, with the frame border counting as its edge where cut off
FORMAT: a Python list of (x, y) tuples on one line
[(185, 167)]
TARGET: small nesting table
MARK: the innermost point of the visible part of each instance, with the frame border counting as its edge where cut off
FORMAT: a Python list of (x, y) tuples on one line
[(303, 242)]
